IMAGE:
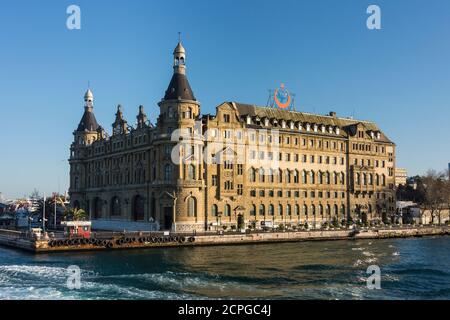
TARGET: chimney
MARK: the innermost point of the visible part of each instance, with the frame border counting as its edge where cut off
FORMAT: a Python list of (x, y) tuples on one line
[(333, 114)]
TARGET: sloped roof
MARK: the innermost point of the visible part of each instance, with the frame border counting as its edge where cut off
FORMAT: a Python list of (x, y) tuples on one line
[(347, 124), (179, 88), (88, 122)]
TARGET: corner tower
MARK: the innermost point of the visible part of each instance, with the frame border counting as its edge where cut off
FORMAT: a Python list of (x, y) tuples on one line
[(182, 198), (87, 132)]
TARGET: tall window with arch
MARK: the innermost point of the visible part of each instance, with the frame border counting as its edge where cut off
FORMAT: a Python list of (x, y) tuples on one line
[(168, 172), (191, 172), (192, 207), (227, 211)]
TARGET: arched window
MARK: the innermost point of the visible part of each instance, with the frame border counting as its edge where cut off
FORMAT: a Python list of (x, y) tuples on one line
[(342, 178), (280, 176), (168, 172), (383, 180), (271, 210), (343, 210), (253, 210), (261, 175), (271, 174), (327, 178), (262, 210), (214, 210), (252, 175), (287, 173), (365, 179), (188, 113), (335, 210), (280, 210), (358, 179), (305, 209), (312, 177), (328, 210), (227, 210), (320, 209), (370, 179), (377, 179), (320, 177), (115, 206), (192, 207), (304, 177), (191, 172), (369, 210), (313, 210), (296, 177), (288, 210), (138, 208), (335, 178)]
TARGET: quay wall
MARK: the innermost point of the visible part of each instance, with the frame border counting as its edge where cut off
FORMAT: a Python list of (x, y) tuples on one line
[(14, 240)]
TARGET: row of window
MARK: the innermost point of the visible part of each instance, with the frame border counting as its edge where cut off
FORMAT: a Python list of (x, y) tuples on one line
[(287, 210), (261, 155), (290, 176), (368, 179), (296, 194)]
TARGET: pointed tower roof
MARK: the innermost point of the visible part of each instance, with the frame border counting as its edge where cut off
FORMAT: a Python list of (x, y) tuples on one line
[(179, 88), (88, 121)]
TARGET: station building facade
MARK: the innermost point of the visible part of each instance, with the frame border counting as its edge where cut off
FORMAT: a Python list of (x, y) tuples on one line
[(244, 166)]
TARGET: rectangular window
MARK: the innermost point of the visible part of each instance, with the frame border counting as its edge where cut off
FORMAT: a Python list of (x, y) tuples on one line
[(240, 189), (214, 180), (226, 118)]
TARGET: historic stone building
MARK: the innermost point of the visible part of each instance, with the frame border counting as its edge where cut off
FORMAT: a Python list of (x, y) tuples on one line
[(246, 165)]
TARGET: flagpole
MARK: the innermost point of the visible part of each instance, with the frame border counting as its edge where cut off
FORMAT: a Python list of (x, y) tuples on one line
[(55, 214), (43, 217)]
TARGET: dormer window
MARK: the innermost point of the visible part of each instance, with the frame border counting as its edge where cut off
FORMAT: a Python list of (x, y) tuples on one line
[(378, 135), (300, 126), (249, 120), (308, 127), (372, 134), (330, 129), (266, 122), (316, 127), (338, 130), (322, 128), (283, 124), (291, 125)]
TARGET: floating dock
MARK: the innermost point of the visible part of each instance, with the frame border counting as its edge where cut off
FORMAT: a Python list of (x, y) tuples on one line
[(132, 240)]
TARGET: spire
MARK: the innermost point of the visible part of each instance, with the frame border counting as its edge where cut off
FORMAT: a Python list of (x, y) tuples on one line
[(88, 121), (141, 117), (89, 99), (179, 57), (120, 124), (179, 88)]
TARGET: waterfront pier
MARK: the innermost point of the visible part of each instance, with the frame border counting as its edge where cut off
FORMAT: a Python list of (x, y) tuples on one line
[(130, 240)]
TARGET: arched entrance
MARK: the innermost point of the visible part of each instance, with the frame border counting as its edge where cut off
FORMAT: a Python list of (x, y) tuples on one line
[(240, 221), (98, 207), (138, 208)]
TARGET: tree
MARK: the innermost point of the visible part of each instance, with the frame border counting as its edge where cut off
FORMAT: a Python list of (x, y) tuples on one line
[(75, 214), (436, 193)]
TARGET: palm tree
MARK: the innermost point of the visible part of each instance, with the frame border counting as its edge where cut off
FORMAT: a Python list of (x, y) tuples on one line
[(75, 214)]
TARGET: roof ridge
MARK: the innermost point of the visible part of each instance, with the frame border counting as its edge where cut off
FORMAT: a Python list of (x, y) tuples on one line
[(308, 113)]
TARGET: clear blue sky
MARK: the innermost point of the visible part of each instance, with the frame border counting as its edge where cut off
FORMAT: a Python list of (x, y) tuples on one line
[(236, 50)]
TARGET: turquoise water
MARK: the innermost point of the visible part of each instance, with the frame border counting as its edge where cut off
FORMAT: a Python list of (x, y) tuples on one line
[(410, 269)]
